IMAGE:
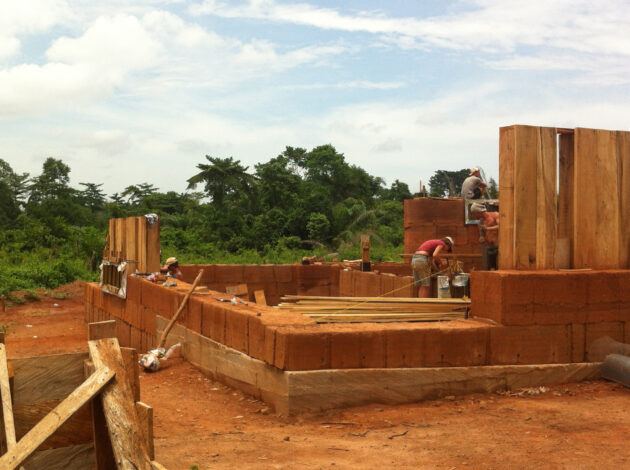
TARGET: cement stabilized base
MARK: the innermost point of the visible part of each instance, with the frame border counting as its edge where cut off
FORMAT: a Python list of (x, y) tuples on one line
[(291, 392)]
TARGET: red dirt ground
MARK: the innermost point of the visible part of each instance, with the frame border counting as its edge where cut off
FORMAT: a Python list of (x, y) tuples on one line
[(204, 423)]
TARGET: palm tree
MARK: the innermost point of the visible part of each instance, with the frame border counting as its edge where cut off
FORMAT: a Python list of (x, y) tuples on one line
[(222, 178)]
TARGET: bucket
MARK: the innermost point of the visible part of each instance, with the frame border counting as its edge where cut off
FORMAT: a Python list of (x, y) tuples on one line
[(443, 287), (460, 286)]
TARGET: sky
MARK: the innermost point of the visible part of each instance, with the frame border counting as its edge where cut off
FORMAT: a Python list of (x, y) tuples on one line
[(132, 91)]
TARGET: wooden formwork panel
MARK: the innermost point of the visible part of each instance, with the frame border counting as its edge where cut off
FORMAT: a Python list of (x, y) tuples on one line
[(133, 239), (527, 197)]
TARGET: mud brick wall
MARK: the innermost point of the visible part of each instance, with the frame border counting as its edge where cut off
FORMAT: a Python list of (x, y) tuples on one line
[(359, 284), (428, 218), (290, 341), (275, 279), (566, 310)]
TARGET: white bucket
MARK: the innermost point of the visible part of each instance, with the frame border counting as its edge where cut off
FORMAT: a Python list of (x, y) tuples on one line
[(443, 287)]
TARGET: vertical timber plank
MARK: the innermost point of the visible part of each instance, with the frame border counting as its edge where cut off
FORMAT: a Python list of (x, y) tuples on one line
[(565, 195), (596, 207), (546, 202), (525, 196), (623, 172), (145, 414), (153, 247), (103, 452), (127, 438), (142, 245), (506, 197)]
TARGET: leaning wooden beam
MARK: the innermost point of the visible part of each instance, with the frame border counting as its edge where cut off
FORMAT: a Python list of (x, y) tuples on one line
[(53, 420), (7, 406), (126, 436)]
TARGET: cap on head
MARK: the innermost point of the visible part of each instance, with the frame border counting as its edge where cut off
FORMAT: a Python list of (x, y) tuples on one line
[(172, 260), (449, 241), (473, 170)]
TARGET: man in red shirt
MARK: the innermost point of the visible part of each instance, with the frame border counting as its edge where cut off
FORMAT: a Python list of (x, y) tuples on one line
[(426, 256)]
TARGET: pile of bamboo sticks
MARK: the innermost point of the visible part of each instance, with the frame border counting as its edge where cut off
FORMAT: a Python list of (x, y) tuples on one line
[(375, 309)]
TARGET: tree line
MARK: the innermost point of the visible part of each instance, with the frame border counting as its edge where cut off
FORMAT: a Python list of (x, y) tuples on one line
[(297, 203)]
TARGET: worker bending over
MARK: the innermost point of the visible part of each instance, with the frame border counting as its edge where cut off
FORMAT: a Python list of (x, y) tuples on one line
[(427, 256), (473, 187), (171, 269)]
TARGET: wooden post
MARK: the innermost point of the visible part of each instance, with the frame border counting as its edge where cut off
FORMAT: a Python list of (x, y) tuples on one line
[(128, 444), (7, 406), (365, 253)]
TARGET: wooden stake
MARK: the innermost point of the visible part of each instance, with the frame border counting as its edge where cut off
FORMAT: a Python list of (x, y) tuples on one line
[(7, 406), (179, 310), (123, 425)]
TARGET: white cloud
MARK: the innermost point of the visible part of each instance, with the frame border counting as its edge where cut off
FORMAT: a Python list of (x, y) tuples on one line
[(21, 18), (484, 26), (114, 46)]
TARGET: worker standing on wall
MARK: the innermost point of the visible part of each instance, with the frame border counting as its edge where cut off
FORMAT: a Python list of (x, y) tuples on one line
[(473, 187), (171, 269), (427, 256)]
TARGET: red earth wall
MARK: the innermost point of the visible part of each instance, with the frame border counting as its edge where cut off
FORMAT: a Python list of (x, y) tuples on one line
[(546, 318), (563, 311)]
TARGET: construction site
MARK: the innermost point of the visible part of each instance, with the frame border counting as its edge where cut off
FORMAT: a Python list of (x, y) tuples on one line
[(341, 364)]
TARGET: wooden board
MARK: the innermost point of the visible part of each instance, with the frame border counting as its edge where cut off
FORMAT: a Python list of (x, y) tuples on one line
[(596, 200), (546, 198), (77, 430), (102, 329), (623, 178), (506, 197), (142, 245), (7, 405), (153, 248), (79, 457), (259, 296), (145, 414), (46, 378), (125, 434), (53, 420), (525, 196)]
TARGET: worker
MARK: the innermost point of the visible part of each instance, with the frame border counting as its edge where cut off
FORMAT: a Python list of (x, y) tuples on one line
[(427, 256), (489, 228), (171, 269), (489, 239), (473, 187)]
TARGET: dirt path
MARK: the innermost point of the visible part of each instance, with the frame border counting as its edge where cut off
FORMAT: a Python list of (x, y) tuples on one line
[(201, 422)]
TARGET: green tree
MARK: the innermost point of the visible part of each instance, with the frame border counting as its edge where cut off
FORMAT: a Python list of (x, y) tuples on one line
[(222, 179), (447, 183), (318, 227), (136, 193), (16, 183), (398, 191), (92, 196), (493, 189)]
